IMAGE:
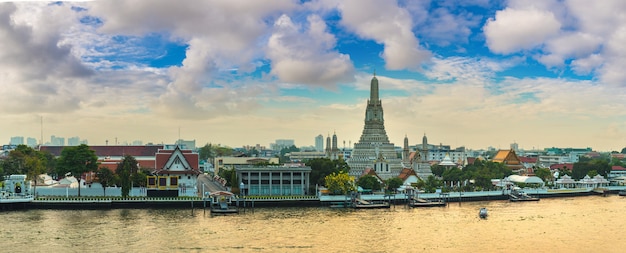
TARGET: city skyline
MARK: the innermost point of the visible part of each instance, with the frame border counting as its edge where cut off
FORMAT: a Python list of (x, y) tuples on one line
[(476, 74)]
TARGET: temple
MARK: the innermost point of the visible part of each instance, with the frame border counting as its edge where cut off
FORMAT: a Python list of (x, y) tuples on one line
[(374, 150)]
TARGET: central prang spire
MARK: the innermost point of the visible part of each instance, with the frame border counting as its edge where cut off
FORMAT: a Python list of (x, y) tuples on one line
[(374, 91), (374, 150)]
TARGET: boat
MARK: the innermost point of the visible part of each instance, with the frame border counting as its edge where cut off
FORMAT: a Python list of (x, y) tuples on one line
[(360, 203), (417, 202), (517, 195), (483, 213), (622, 193)]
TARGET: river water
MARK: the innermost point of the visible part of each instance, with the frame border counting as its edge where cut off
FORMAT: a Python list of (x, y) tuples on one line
[(573, 224)]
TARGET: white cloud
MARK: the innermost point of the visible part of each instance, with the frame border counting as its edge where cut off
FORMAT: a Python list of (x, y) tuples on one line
[(520, 29), (390, 25), (307, 57)]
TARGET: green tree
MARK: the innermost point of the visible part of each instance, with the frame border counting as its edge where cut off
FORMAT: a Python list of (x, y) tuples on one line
[(369, 182), (125, 171), (340, 183), (394, 183), (437, 170), (544, 174), (430, 184), (227, 174), (206, 152), (282, 158), (106, 178), (234, 182), (322, 167), (77, 160), (25, 160)]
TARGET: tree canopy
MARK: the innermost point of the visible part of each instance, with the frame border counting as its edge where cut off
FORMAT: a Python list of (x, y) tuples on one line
[(369, 182), (106, 178), (126, 169), (340, 183), (77, 160)]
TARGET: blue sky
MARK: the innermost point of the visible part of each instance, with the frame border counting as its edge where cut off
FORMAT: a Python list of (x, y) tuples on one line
[(465, 73)]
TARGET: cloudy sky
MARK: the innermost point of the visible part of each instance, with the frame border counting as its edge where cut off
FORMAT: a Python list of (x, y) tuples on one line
[(465, 73)]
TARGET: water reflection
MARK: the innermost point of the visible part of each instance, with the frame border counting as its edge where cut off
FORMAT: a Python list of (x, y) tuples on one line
[(582, 224)]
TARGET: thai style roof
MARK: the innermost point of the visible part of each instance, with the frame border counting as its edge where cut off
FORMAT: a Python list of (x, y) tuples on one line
[(372, 172), (406, 173), (447, 161), (176, 161)]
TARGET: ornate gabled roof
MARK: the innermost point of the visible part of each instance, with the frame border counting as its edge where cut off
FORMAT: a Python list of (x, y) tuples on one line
[(372, 172), (507, 157), (177, 163)]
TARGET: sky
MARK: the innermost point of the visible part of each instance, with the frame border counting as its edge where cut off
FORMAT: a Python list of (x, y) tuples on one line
[(478, 74)]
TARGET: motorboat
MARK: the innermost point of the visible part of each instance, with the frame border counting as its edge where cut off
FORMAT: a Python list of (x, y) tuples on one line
[(483, 213)]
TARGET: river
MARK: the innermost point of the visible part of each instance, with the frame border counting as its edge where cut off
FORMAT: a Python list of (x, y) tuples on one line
[(573, 224)]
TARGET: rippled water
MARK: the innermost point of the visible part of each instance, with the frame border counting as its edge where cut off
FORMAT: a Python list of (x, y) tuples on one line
[(577, 224)]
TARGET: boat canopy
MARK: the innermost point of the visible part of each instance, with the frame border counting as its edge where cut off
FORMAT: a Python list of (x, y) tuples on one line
[(526, 179)]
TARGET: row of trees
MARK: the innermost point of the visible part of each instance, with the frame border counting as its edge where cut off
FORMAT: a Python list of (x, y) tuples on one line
[(76, 161)]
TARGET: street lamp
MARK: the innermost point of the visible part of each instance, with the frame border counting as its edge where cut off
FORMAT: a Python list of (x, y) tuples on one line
[(241, 188)]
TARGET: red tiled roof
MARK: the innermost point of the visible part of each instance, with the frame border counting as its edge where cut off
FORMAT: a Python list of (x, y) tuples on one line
[(406, 172), (528, 159), (617, 168), (147, 150), (558, 166)]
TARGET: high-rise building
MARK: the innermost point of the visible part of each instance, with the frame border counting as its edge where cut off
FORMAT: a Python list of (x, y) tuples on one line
[(186, 144), (281, 143), (319, 143), (374, 149), (57, 141), (17, 140), (31, 142), (73, 141)]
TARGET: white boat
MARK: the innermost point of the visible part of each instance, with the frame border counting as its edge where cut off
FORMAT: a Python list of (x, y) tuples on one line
[(483, 213)]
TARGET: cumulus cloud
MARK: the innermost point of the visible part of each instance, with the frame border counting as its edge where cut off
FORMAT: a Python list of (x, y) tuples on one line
[(36, 68), (387, 24), (519, 29), (586, 37), (308, 56)]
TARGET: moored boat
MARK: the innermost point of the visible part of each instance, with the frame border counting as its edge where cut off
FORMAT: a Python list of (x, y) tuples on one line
[(517, 195), (426, 203)]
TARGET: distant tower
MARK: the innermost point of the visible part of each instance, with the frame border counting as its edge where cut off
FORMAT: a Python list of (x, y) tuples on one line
[(319, 143), (405, 152), (335, 150), (425, 148), (328, 150)]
